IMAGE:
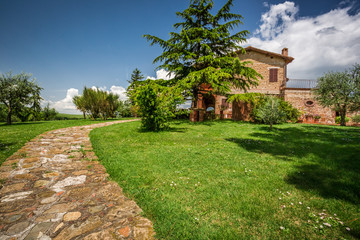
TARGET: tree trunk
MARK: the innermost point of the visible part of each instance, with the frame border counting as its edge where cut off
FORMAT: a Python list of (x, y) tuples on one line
[(84, 115), (271, 125), (8, 119), (342, 117)]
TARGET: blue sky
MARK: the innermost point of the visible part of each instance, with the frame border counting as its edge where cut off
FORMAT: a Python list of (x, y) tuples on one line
[(70, 44)]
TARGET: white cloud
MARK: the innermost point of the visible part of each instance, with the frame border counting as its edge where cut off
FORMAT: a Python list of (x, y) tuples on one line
[(162, 74), (66, 105), (330, 41), (118, 90)]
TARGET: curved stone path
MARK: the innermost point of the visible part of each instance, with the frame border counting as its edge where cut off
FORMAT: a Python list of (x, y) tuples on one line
[(53, 188)]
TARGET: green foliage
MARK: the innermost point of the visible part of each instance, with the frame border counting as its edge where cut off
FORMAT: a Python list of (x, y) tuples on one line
[(202, 51), (182, 114), (340, 91), (124, 108), (356, 118), (48, 113), (79, 102), (270, 112), (252, 98), (258, 100), (338, 119), (136, 78), (291, 114), (3, 112), (20, 94), (97, 103), (156, 103)]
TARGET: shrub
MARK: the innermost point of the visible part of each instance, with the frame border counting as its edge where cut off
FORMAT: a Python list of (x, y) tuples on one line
[(182, 114), (124, 108), (157, 104), (338, 119), (48, 113), (292, 114), (356, 118), (270, 112)]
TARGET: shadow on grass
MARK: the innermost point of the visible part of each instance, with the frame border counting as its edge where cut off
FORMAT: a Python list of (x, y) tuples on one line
[(19, 123), (4, 146), (327, 158), (170, 129)]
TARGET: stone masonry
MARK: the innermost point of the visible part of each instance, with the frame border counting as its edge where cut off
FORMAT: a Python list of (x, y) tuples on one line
[(262, 63), (299, 98), (53, 188)]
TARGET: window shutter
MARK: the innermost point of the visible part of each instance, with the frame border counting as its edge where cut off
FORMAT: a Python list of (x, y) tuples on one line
[(273, 74)]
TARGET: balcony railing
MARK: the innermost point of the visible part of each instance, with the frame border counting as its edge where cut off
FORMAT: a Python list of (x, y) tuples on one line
[(301, 83)]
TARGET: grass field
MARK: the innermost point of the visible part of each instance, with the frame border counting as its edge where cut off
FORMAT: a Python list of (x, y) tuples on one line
[(233, 180), (70, 116), (13, 137)]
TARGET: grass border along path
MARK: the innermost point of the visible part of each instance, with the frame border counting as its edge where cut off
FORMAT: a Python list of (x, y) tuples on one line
[(13, 137)]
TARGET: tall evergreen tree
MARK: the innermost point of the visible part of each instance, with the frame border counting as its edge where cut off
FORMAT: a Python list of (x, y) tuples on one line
[(204, 50), (136, 78)]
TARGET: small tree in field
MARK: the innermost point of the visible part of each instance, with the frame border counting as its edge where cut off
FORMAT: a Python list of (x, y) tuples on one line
[(48, 113), (97, 103), (270, 112), (18, 93), (203, 50), (340, 91)]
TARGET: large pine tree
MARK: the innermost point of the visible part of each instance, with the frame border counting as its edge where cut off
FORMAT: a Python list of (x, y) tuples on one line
[(203, 50)]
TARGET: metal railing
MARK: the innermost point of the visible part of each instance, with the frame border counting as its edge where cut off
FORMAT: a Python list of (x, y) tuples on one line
[(301, 83)]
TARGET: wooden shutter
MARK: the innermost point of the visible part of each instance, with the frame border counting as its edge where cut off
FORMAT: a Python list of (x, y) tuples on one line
[(273, 75)]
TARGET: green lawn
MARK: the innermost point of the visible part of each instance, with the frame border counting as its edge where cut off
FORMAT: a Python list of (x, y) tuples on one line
[(233, 180), (13, 137), (70, 116)]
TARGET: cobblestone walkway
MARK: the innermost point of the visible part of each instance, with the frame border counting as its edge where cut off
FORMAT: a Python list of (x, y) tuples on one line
[(53, 188)]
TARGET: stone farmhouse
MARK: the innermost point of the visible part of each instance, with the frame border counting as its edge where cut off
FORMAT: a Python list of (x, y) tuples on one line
[(273, 68)]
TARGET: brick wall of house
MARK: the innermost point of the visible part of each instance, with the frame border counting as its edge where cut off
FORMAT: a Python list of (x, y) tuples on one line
[(262, 63), (300, 98), (218, 103)]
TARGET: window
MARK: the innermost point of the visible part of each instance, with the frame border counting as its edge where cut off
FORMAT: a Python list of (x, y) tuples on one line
[(273, 75), (309, 103)]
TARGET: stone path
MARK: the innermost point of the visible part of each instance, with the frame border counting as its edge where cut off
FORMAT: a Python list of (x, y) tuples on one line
[(53, 188)]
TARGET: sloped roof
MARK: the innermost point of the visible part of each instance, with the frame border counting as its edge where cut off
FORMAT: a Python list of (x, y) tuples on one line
[(287, 59), (301, 83)]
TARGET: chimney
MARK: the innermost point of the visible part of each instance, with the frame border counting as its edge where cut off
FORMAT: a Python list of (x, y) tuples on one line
[(284, 52)]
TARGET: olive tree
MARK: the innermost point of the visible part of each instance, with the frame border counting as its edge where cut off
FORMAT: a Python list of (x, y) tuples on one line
[(270, 112), (340, 91), (19, 92)]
